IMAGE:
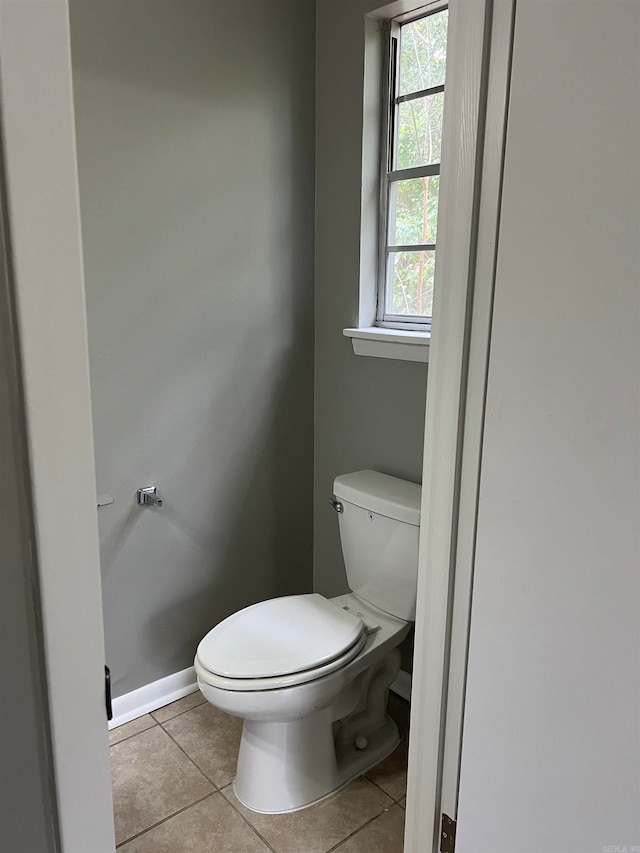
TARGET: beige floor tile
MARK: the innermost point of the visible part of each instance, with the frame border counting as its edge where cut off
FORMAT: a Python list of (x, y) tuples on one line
[(385, 834), (211, 739), (179, 707), (211, 826), (151, 779), (403, 802), (320, 827), (132, 728), (391, 774)]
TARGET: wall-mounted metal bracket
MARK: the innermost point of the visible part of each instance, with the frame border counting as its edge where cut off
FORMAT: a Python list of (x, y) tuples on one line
[(148, 496)]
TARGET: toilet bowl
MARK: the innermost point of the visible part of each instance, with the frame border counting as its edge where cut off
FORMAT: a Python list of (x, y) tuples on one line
[(310, 675), (290, 756)]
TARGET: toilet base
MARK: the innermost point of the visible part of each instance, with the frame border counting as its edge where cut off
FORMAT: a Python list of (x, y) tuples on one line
[(270, 783), (284, 766)]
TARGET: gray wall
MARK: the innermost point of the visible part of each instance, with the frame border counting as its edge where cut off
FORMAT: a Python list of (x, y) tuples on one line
[(551, 747), (195, 128), (27, 810), (369, 411)]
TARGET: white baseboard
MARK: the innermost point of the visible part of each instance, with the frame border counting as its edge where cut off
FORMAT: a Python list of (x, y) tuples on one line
[(166, 690), (402, 685), (153, 696)]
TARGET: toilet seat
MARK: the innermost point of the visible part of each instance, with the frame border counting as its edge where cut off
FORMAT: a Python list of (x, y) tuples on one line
[(280, 643), (279, 681)]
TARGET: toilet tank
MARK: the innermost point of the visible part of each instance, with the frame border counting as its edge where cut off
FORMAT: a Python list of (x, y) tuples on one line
[(379, 530)]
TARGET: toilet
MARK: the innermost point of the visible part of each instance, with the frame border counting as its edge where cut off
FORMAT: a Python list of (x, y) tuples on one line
[(310, 675)]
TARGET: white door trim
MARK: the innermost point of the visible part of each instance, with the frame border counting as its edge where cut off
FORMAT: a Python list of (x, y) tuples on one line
[(44, 227), (480, 338), (467, 232)]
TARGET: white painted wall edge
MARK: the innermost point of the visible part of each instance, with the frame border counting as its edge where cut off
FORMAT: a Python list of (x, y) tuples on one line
[(152, 696), (162, 692)]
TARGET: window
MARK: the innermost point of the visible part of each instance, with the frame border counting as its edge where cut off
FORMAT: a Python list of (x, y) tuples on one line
[(414, 77)]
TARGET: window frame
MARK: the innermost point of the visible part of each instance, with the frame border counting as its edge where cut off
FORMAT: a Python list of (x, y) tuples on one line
[(388, 175)]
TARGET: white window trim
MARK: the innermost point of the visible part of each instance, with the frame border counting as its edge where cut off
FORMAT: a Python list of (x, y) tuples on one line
[(368, 338), (390, 172), (379, 342)]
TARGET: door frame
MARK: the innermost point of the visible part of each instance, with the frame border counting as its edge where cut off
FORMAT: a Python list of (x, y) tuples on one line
[(481, 36), (43, 216), (44, 223)]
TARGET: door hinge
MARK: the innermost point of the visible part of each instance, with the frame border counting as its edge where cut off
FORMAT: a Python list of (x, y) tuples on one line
[(107, 693), (447, 834)]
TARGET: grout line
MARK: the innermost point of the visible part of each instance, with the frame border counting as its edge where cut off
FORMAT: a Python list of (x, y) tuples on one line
[(168, 817), (192, 760), (128, 737), (373, 781), (180, 713), (359, 829), (184, 752), (380, 788), (245, 819)]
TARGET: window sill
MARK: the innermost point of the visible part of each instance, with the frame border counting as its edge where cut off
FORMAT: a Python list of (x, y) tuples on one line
[(390, 343)]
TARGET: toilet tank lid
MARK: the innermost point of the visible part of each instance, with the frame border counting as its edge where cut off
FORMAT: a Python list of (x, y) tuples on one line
[(380, 493)]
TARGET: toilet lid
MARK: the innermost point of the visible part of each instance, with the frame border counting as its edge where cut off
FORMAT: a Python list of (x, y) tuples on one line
[(279, 637)]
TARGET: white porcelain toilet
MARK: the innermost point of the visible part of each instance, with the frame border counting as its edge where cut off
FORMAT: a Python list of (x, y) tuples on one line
[(310, 675)]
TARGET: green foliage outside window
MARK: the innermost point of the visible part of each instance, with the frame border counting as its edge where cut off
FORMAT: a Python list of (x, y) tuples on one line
[(413, 203)]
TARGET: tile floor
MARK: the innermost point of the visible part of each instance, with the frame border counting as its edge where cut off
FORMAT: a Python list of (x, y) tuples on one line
[(172, 772)]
